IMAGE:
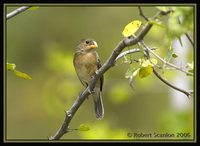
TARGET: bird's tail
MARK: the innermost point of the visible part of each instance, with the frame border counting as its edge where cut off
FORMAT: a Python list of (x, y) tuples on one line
[(98, 104)]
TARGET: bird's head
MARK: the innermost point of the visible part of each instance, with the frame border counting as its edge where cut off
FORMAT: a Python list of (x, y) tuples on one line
[(86, 45)]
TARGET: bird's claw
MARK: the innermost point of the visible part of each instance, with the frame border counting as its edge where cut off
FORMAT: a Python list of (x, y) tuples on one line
[(90, 91), (96, 72)]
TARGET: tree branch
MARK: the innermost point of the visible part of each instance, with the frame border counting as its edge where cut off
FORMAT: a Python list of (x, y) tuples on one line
[(190, 39), (107, 65), (188, 94), (186, 34), (17, 11), (129, 52), (142, 14), (164, 61)]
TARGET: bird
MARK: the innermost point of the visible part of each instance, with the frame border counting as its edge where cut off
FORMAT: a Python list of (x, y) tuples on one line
[(86, 62)]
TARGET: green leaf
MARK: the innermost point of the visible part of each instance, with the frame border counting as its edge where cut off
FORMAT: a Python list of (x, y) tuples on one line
[(164, 9), (190, 65), (21, 74), (145, 63), (192, 71), (174, 55), (11, 66), (33, 8), (180, 41), (145, 71), (131, 72), (153, 61), (84, 127), (157, 23), (169, 54)]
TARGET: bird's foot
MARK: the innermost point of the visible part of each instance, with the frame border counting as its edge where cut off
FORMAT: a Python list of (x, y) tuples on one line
[(90, 91), (96, 72)]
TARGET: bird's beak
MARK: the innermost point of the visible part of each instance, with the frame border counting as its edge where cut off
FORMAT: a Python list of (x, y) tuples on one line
[(94, 45)]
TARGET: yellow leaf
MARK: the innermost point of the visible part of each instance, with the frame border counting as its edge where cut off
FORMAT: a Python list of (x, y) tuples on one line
[(131, 28), (145, 71), (145, 63), (11, 66), (33, 8), (84, 127), (153, 61)]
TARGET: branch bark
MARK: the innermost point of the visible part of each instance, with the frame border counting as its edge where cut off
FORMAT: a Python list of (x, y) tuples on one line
[(135, 50), (107, 65), (17, 11)]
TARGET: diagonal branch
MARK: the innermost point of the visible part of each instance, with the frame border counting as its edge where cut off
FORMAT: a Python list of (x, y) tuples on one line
[(17, 11), (135, 50), (107, 65), (142, 14), (187, 93), (127, 52), (190, 39), (186, 34)]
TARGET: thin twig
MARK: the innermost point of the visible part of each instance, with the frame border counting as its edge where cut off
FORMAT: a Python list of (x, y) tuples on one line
[(188, 94), (135, 50), (142, 14), (164, 61), (127, 52), (187, 35), (16, 12), (190, 39)]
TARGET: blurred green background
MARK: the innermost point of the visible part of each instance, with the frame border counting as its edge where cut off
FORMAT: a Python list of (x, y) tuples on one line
[(41, 43)]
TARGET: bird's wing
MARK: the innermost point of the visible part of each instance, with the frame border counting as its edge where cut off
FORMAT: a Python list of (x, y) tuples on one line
[(84, 83), (102, 78)]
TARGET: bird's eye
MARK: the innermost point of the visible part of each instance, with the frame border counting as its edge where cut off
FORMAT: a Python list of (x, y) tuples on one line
[(87, 42)]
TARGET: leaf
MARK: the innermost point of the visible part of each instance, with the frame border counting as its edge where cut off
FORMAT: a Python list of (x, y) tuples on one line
[(21, 74), (11, 66), (84, 127), (180, 41), (164, 9), (191, 71), (157, 23), (145, 71), (169, 54), (145, 63), (33, 8), (131, 28), (154, 61), (190, 65), (131, 72), (174, 55)]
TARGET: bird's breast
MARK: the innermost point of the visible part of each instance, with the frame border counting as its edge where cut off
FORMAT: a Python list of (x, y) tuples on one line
[(85, 65)]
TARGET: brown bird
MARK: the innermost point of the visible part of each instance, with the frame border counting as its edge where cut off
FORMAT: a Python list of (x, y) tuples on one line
[(86, 62)]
